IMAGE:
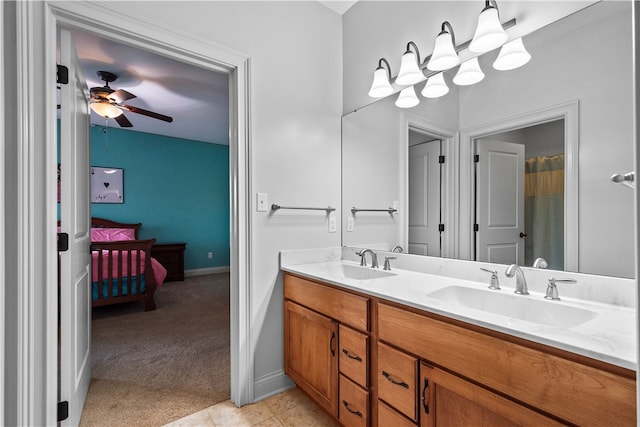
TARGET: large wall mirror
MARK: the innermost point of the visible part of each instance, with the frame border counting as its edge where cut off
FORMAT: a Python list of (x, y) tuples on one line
[(461, 169)]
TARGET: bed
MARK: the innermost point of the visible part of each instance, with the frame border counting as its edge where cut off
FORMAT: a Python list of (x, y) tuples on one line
[(120, 265)]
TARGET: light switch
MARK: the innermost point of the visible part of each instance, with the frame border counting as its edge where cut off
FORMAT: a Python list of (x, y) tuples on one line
[(332, 222), (349, 223), (262, 202)]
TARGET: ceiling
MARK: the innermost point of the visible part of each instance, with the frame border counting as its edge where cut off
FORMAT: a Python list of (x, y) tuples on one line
[(196, 98)]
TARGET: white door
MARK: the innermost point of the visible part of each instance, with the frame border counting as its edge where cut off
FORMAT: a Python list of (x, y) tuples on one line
[(424, 199), (500, 202), (75, 264)]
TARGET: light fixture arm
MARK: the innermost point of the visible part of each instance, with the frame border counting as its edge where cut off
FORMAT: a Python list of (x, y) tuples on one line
[(447, 28), (388, 67), (415, 47), (488, 4)]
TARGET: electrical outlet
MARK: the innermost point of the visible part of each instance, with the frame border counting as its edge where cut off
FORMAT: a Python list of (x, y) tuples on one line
[(332, 223), (349, 223), (262, 202), (210, 255), (396, 205)]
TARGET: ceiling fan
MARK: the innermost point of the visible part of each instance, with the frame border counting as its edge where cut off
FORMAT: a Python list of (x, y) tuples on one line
[(108, 103)]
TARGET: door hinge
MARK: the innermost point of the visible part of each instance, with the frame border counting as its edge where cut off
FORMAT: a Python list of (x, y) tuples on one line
[(63, 410), (62, 74), (476, 158), (441, 159), (475, 227), (441, 227), (63, 242)]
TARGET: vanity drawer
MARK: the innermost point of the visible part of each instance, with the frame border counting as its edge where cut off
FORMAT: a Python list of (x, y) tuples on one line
[(354, 355), (347, 308), (397, 378), (388, 416), (542, 377), (354, 404)]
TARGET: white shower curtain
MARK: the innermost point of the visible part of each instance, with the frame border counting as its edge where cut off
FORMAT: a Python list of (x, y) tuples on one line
[(544, 210)]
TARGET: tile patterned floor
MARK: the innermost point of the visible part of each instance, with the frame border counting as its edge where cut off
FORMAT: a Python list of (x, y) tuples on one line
[(288, 409)]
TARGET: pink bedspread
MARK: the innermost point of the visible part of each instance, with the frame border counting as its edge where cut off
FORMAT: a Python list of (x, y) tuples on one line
[(159, 272)]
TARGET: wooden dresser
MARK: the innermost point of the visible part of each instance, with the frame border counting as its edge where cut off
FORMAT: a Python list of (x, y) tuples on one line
[(171, 256)]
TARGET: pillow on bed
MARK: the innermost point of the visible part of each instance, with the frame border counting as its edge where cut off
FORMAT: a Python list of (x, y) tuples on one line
[(112, 234)]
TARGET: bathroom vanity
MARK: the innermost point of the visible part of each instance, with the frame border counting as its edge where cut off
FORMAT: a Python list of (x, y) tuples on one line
[(383, 348)]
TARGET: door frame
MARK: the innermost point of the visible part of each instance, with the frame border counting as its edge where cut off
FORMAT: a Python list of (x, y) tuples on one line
[(569, 112), (36, 25)]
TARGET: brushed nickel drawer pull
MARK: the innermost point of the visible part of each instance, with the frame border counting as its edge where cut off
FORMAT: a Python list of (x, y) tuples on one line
[(346, 405), (392, 381), (350, 356), (331, 341)]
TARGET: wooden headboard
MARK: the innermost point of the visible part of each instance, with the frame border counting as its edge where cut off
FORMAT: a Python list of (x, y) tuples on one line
[(105, 223)]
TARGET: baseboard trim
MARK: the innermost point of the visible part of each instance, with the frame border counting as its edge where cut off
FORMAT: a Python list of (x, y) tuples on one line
[(205, 271), (270, 385)]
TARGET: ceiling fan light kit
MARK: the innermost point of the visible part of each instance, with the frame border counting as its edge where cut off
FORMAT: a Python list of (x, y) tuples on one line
[(107, 102), (489, 35)]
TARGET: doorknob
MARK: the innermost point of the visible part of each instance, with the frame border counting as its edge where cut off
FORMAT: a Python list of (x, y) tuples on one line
[(523, 235)]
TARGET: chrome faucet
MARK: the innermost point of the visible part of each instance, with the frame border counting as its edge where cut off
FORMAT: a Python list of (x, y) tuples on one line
[(363, 258), (540, 263), (521, 282), (397, 248)]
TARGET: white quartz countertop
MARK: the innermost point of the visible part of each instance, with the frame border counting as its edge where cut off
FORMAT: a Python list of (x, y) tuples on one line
[(610, 336)]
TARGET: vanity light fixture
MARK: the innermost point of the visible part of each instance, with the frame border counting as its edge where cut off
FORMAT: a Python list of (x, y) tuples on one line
[(435, 87), (512, 55), (444, 54), (407, 98), (489, 33), (105, 109), (381, 85), (469, 73), (410, 72)]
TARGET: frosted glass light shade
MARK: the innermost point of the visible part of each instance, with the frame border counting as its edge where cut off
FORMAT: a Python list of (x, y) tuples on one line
[(435, 87), (407, 98), (410, 73), (512, 55), (469, 73), (105, 109), (380, 87), (489, 32), (444, 54)]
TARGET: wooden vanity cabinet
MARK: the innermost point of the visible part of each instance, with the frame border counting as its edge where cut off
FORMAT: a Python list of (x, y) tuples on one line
[(311, 354), (326, 347), (490, 376)]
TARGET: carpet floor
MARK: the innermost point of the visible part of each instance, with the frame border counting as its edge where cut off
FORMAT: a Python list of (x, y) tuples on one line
[(151, 368)]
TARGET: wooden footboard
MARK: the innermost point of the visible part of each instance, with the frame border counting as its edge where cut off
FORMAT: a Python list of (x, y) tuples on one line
[(120, 269)]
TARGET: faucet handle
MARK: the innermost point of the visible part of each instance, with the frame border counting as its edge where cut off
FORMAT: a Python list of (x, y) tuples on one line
[(494, 283), (387, 264), (552, 289)]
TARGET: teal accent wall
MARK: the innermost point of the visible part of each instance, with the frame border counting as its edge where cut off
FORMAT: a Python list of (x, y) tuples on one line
[(177, 188)]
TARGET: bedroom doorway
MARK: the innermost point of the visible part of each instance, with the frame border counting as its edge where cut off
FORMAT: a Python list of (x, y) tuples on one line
[(213, 57)]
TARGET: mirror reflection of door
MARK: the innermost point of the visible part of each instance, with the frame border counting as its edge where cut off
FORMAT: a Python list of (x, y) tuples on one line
[(424, 194), (542, 197)]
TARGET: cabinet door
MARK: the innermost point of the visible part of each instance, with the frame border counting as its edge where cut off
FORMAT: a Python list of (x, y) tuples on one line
[(311, 354), (448, 400)]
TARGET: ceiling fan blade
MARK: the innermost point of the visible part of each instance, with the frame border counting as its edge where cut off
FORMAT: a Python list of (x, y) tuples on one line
[(121, 95), (123, 121), (148, 113)]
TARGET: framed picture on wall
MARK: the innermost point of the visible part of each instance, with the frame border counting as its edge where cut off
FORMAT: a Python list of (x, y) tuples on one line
[(107, 185)]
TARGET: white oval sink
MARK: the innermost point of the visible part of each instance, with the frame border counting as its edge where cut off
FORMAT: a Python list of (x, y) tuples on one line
[(359, 273), (543, 312)]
